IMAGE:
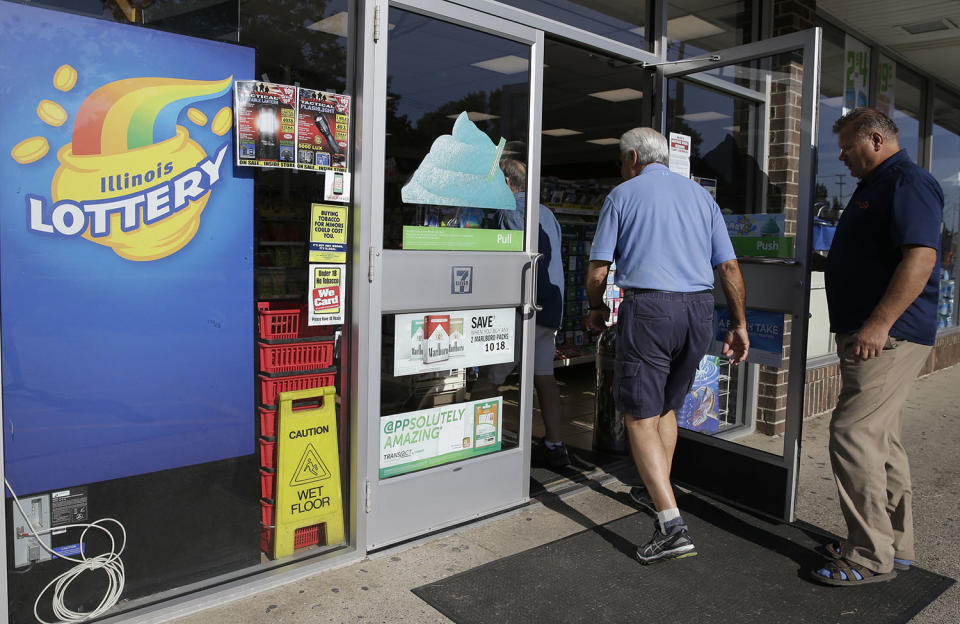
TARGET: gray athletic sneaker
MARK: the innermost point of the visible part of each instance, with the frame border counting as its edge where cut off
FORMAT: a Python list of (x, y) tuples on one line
[(640, 496), (676, 545)]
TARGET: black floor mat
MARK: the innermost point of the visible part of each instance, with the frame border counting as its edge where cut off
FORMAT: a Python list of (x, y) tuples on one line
[(749, 570), (582, 461)]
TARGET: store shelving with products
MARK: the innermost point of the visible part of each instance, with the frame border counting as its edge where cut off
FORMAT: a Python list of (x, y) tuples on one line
[(576, 204)]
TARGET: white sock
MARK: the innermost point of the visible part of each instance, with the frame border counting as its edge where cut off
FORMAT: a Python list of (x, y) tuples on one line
[(551, 445), (666, 516)]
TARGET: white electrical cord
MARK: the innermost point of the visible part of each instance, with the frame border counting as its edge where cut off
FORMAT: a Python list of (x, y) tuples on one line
[(108, 562)]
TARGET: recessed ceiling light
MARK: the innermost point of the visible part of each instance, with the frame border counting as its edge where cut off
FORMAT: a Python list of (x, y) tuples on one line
[(690, 27), (336, 24), (618, 95), (604, 141), (922, 28), (560, 132), (735, 128), (510, 64), (707, 116), (475, 116)]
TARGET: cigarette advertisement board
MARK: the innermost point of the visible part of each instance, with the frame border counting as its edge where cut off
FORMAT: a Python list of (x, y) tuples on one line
[(437, 341)]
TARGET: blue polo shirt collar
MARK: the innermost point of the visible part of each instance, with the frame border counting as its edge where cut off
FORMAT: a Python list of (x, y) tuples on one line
[(882, 168), (653, 167)]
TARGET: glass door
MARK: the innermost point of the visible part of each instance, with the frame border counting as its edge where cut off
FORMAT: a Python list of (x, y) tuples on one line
[(744, 127), (452, 267)]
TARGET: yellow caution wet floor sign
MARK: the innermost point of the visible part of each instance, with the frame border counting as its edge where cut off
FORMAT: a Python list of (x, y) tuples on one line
[(308, 469)]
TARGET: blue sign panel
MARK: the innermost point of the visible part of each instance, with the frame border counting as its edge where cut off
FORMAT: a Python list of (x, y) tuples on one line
[(766, 334), (126, 238)]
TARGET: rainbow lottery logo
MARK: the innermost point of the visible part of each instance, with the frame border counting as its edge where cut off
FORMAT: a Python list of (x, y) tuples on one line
[(132, 179)]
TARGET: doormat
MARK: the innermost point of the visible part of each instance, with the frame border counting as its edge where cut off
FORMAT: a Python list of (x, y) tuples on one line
[(582, 462), (748, 570)]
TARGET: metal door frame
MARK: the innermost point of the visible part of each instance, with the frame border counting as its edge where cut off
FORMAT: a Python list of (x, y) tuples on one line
[(507, 470), (778, 285)]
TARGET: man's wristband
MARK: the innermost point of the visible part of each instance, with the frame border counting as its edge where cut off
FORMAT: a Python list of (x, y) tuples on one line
[(599, 307)]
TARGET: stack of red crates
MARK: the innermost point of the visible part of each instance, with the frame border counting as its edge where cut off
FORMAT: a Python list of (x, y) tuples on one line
[(293, 356)]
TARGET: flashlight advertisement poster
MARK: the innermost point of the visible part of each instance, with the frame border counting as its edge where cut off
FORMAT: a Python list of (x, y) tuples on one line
[(323, 123), (326, 290), (266, 124), (126, 245)]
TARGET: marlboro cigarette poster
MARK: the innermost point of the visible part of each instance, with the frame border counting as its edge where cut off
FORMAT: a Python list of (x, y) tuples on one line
[(323, 130), (436, 341), (266, 124), (326, 291)]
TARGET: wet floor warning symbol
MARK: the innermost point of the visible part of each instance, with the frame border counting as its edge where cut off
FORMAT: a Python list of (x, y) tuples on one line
[(311, 468), (308, 470)]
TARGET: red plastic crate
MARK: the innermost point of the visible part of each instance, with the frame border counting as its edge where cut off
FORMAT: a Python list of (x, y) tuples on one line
[(268, 419), (308, 536), (268, 478), (285, 320), (268, 453), (296, 356), (271, 386), (266, 512), (266, 541)]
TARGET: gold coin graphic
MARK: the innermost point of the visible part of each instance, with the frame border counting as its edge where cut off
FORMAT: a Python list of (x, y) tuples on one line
[(30, 150), (51, 113), (222, 121), (196, 116), (64, 78)]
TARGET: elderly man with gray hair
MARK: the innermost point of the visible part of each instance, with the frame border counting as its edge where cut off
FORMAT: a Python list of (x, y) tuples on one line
[(667, 235)]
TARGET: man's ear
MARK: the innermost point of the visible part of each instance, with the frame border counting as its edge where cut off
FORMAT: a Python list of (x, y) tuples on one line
[(633, 159), (877, 139)]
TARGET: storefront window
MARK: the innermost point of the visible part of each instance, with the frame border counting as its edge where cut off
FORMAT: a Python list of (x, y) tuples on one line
[(834, 184), (621, 21), (698, 26), (457, 100), (907, 109), (946, 169), (157, 403)]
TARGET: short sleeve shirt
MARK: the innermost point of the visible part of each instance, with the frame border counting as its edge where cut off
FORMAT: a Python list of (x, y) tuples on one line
[(664, 231), (898, 204)]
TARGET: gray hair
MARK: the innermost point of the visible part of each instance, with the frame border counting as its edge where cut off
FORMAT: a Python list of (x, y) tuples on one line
[(515, 172), (866, 121), (650, 145)]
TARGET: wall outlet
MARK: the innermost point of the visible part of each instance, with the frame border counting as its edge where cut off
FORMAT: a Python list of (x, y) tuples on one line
[(26, 548)]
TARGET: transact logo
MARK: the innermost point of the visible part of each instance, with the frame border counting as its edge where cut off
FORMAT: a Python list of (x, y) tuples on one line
[(132, 179)]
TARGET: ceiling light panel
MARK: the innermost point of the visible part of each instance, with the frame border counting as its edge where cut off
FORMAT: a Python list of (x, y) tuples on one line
[(475, 116), (690, 27), (336, 24), (510, 64), (604, 141), (618, 95), (706, 116), (561, 132)]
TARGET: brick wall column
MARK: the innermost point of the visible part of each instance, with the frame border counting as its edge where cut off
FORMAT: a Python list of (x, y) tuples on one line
[(784, 177)]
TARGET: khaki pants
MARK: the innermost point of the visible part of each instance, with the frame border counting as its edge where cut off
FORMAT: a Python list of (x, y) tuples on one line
[(869, 462)]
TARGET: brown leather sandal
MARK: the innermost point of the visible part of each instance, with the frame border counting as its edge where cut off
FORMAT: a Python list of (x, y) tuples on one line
[(834, 549), (841, 573)]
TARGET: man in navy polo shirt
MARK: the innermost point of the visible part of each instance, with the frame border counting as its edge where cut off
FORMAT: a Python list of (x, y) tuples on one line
[(666, 235), (882, 296)]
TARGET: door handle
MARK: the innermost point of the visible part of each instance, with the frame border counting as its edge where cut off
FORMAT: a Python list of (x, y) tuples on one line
[(529, 308)]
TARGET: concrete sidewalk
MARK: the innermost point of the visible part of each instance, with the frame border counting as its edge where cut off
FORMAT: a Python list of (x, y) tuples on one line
[(378, 589)]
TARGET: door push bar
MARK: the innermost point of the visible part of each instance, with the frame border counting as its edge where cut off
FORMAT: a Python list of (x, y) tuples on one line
[(530, 308)]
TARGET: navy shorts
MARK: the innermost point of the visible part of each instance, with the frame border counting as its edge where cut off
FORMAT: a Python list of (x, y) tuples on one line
[(661, 338)]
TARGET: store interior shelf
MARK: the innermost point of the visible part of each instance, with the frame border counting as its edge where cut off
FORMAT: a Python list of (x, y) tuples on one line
[(573, 361), (587, 212)]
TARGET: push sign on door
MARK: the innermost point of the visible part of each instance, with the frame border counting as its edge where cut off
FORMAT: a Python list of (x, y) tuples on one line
[(461, 280)]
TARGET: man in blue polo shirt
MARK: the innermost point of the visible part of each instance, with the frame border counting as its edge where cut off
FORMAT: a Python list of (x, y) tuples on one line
[(882, 296), (666, 235)]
